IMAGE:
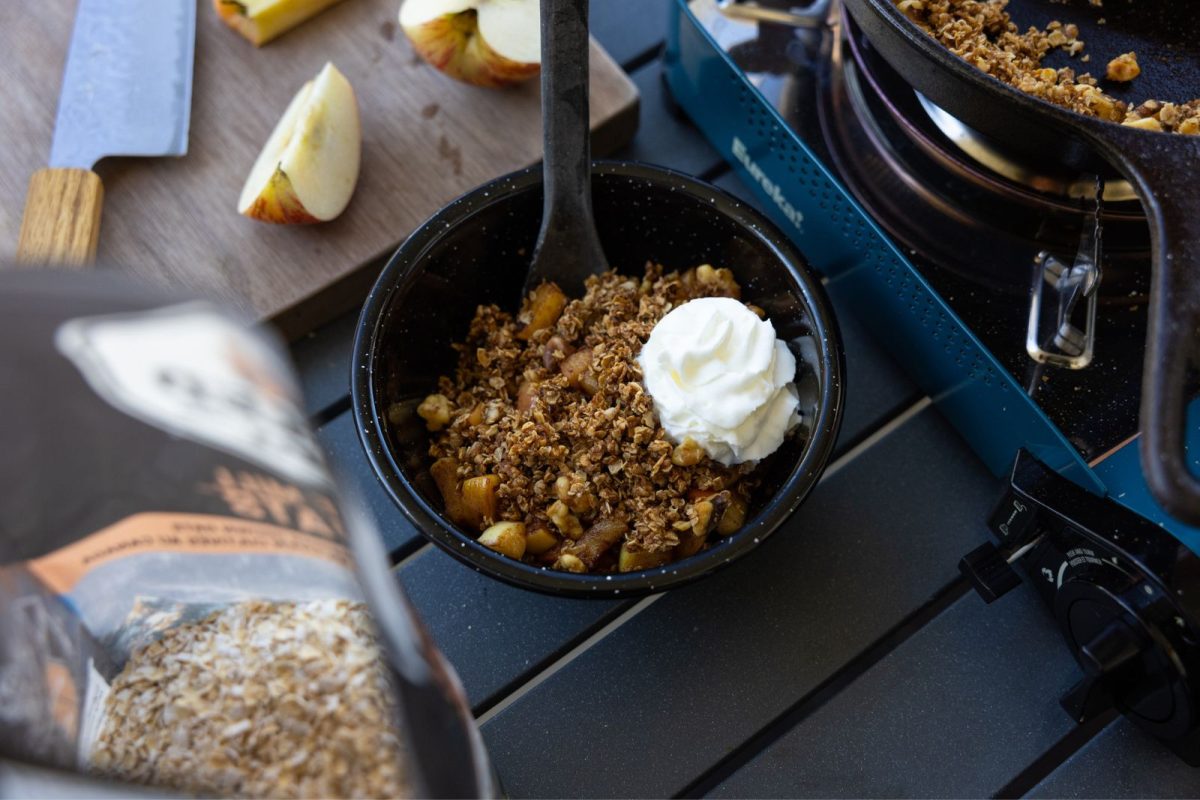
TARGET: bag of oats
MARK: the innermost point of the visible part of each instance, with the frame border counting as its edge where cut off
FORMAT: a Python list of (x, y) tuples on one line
[(183, 598)]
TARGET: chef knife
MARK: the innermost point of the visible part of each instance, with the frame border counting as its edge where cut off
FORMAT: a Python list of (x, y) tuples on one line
[(126, 91)]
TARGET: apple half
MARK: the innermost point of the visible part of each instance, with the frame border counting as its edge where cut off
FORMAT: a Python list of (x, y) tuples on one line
[(260, 21), (308, 168), (483, 42)]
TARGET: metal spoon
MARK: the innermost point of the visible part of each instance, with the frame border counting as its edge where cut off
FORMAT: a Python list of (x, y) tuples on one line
[(568, 247)]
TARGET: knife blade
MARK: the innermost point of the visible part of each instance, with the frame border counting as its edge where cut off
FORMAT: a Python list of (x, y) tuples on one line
[(126, 91)]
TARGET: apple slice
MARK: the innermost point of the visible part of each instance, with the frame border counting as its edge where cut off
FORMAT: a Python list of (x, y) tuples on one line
[(484, 42), (260, 21), (309, 166)]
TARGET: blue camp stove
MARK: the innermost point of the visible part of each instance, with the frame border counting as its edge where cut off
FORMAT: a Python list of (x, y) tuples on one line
[(1014, 293)]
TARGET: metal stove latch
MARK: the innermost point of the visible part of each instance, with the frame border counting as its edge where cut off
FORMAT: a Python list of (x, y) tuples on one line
[(1064, 289), (813, 15)]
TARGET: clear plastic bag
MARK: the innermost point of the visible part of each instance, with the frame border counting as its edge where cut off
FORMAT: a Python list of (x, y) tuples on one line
[(161, 473)]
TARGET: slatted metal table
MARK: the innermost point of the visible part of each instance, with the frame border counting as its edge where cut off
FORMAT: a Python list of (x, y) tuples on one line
[(845, 657)]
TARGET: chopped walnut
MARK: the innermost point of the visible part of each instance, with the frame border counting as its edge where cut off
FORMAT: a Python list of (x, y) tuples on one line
[(566, 522), (1145, 123), (687, 453), (705, 515), (1123, 68), (721, 279), (435, 410), (570, 563)]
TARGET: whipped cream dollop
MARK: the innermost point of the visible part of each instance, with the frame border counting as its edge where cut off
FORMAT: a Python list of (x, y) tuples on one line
[(718, 375)]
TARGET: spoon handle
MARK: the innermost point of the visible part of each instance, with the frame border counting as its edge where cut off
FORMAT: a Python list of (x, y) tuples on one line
[(568, 231)]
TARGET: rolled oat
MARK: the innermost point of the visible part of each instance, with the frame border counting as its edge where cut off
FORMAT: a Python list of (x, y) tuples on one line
[(260, 699)]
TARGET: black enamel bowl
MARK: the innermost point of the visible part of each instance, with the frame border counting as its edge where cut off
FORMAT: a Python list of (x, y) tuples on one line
[(476, 250)]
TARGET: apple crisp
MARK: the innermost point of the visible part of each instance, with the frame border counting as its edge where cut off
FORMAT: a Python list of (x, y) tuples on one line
[(983, 34), (547, 442)]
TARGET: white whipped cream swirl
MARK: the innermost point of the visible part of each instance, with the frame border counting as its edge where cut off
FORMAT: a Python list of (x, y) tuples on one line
[(718, 375)]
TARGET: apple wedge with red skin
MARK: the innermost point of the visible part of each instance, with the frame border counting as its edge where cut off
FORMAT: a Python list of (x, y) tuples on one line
[(308, 168), (492, 43)]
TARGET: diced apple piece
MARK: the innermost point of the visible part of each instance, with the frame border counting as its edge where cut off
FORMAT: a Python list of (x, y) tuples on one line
[(689, 545), (708, 512), (577, 368), (484, 42), (728, 509), (545, 307), (445, 475), (630, 561), (479, 497), (734, 516), (539, 540), (260, 21), (309, 166), (507, 538)]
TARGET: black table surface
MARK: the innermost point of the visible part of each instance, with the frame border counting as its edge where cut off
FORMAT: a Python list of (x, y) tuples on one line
[(845, 657)]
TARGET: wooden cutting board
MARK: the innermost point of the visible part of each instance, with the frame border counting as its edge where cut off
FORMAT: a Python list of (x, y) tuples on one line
[(426, 139)]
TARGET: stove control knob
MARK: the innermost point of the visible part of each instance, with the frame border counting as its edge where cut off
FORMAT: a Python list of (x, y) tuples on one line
[(989, 572), (1107, 656), (1116, 627), (1114, 647)]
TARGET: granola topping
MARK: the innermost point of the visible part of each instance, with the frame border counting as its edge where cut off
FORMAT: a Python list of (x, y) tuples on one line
[(553, 406), (983, 33)]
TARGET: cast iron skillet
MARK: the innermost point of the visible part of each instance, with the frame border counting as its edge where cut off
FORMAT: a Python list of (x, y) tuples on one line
[(1163, 168), (476, 250)]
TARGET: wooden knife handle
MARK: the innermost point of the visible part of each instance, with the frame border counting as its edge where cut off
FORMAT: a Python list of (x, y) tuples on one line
[(61, 225)]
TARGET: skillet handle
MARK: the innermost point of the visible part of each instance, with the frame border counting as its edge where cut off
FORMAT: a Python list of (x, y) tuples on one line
[(1164, 172)]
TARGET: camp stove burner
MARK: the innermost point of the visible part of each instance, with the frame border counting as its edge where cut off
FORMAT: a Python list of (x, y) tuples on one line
[(952, 208), (995, 248), (1044, 178), (979, 239)]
